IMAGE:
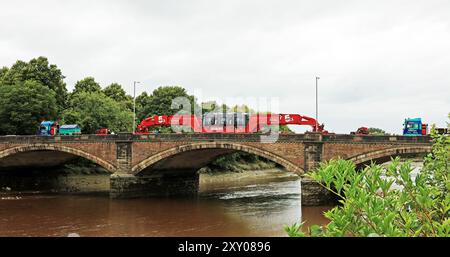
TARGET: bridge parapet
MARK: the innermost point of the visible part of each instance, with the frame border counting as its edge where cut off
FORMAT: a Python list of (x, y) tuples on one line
[(56, 139), (375, 139), (171, 137)]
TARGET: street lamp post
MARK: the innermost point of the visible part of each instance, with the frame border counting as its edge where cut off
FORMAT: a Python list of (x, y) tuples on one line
[(134, 105), (317, 102)]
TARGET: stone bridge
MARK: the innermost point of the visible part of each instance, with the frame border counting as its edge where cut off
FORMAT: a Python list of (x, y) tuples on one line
[(167, 164)]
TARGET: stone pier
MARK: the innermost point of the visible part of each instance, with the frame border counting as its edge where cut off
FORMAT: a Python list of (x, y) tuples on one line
[(314, 194)]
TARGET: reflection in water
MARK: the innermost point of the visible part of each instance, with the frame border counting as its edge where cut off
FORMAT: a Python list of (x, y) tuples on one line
[(256, 210)]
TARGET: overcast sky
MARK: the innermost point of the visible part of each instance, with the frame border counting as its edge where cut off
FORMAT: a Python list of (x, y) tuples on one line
[(379, 61)]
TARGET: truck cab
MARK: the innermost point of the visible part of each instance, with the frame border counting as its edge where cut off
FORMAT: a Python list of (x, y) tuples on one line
[(361, 131), (48, 128), (414, 127), (102, 132)]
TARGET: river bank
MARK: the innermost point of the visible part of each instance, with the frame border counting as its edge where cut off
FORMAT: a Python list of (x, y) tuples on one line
[(220, 180)]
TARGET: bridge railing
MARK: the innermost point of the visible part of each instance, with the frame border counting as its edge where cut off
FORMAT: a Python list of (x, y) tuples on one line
[(53, 139), (314, 137), (373, 138)]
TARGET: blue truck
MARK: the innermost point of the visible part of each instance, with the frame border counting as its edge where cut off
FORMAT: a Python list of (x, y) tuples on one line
[(414, 127), (48, 128)]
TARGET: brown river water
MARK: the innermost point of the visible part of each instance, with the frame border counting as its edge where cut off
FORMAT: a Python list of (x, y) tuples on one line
[(251, 210)]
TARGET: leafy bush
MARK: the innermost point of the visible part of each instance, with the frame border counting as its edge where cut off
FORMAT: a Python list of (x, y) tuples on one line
[(371, 206), (238, 162)]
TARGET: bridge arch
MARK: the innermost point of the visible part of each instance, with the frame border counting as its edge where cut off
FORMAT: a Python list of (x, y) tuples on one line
[(385, 155), (53, 147), (288, 165)]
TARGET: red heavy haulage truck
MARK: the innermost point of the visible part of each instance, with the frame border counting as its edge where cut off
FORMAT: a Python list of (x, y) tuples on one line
[(228, 122)]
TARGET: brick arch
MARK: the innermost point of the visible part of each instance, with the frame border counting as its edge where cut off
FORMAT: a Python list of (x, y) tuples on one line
[(50, 147), (385, 154), (289, 166)]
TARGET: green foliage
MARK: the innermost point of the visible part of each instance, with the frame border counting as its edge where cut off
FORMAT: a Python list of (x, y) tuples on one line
[(39, 70), (3, 72), (285, 129), (95, 110), (116, 92), (372, 206), (295, 230), (238, 162), (88, 85), (242, 108), (213, 106), (24, 105), (142, 101), (377, 131), (161, 100)]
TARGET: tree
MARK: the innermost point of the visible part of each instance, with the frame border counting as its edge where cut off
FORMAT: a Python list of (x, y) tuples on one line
[(16, 74), (214, 107), (142, 101), (377, 131), (24, 105), (238, 162), (160, 102), (3, 72), (95, 110), (211, 106), (39, 70), (286, 130), (372, 207), (88, 85), (116, 92), (243, 108)]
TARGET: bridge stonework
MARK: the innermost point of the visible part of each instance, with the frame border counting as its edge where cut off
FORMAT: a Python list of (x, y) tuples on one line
[(167, 164)]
